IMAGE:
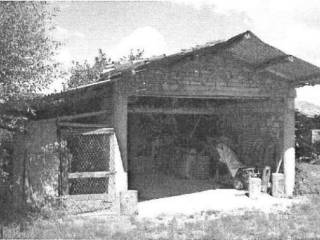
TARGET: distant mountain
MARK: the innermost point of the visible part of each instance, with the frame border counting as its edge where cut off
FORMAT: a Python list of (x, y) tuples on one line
[(307, 108)]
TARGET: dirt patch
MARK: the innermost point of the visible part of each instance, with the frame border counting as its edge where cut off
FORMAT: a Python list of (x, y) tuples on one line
[(307, 179)]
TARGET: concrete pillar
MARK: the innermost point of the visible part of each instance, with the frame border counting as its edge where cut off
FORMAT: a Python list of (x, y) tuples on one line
[(121, 176), (119, 141), (120, 119), (289, 144)]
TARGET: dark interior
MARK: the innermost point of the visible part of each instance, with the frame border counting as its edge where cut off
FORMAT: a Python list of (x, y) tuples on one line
[(159, 145)]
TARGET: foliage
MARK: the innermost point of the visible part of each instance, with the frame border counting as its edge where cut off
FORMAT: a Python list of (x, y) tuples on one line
[(307, 180), (85, 73), (5, 152), (133, 56), (27, 65), (303, 126), (82, 74)]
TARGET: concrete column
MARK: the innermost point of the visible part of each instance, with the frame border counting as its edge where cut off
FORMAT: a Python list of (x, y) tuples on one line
[(119, 141), (120, 119), (121, 176), (289, 144)]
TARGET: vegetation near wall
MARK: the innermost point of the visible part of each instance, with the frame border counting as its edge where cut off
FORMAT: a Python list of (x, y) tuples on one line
[(307, 179), (307, 155), (5, 164), (41, 164), (27, 66), (305, 150), (85, 73)]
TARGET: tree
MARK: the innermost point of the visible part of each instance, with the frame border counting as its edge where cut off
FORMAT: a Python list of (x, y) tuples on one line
[(82, 74), (133, 56), (26, 57)]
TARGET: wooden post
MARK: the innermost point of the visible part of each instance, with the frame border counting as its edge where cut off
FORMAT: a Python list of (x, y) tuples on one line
[(289, 145)]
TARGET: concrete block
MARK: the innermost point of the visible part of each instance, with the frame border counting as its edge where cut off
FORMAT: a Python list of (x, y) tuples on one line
[(128, 202), (278, 185), (254, 187)]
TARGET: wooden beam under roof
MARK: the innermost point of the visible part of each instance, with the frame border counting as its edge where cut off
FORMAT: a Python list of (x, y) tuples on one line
[(194, 110), (273, 61), (168, 110), (308, 79)]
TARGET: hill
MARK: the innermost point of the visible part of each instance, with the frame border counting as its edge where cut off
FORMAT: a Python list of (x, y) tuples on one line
[(307, 108)]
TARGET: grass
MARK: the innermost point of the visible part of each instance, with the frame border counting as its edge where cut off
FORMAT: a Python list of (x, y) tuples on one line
[(300, 222)]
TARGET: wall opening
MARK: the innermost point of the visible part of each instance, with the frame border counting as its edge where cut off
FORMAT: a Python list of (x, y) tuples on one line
[(172, 143)]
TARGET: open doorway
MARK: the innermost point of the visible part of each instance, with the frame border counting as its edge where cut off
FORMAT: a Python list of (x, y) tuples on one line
[(172, 145)]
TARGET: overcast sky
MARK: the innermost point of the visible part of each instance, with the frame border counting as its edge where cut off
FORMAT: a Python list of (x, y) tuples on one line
[(166, 27)]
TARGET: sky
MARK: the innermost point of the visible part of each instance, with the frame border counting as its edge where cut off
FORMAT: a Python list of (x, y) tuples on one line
[(167, 27)]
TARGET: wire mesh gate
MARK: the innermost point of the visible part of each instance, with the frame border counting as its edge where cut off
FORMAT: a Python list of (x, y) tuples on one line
[(86, 162)]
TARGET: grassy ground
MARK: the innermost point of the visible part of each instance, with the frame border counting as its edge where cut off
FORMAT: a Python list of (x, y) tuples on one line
[(300, 222)]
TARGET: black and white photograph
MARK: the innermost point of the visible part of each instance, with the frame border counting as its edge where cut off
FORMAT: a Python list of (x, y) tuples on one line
[(155, 120)]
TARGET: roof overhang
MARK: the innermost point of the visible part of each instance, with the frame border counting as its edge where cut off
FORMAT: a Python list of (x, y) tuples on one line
[(268, 58), (246, 47)]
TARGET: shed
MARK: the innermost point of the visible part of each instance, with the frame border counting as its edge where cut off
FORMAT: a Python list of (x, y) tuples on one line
[(141, 118)]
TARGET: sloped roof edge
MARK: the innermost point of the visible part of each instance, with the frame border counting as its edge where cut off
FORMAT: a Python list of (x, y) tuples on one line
[(246, 46)]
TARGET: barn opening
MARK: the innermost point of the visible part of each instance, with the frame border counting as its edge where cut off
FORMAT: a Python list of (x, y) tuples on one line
[(172, 142)]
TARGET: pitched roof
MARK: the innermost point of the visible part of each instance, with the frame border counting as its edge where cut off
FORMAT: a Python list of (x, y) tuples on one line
[(246, 47)]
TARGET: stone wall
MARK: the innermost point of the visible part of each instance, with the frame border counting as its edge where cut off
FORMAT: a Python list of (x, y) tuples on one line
[(257, 129), (207, 75), (36, 169), (254, 119), (251, 123), (255, 134)]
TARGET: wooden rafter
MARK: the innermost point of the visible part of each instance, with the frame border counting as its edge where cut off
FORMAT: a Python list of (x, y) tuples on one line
[(273, 61), (189, 110), (308, 79), (168, 110)]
